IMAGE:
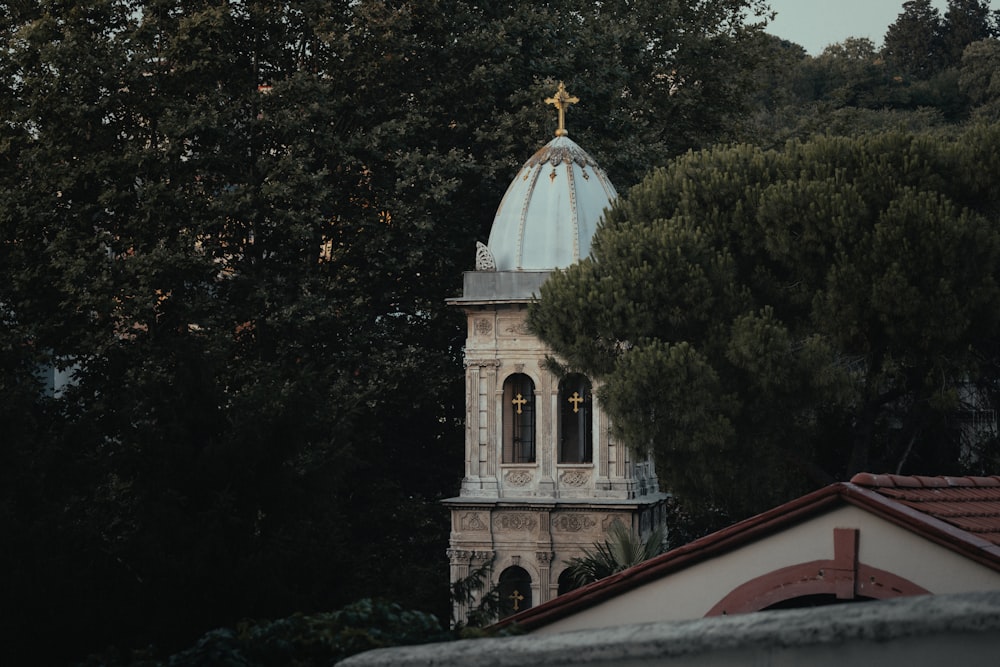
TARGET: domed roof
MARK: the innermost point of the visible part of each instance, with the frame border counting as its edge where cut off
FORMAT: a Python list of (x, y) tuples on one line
[(550, 212)]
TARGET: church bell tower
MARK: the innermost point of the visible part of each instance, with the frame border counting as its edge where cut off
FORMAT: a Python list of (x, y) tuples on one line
[(543, 478)]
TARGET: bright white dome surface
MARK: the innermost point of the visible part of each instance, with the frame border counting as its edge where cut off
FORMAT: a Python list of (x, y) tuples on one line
[(550, 212)]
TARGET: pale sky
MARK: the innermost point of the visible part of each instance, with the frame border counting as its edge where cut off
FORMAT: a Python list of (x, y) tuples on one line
[(815, 24)]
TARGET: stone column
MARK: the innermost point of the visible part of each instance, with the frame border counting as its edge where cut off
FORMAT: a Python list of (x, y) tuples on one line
[(480, 428), (552, 441), (472, 423), (458, 560), (465, 563), (546, 589), (603, 452), (544, 451), (489, 450)]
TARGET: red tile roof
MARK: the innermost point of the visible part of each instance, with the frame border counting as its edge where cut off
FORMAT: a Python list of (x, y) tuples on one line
[(969, 503), (959, 513)]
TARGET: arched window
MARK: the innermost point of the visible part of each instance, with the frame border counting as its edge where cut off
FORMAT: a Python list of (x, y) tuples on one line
[(519, 419), (514, 588), (575, 420), (566, 582)]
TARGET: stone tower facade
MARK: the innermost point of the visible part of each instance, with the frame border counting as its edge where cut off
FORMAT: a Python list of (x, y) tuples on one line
[(544, 478)]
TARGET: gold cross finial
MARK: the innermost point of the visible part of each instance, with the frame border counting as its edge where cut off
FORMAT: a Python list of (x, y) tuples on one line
[(561, 101), (576, 400), (519, 401)]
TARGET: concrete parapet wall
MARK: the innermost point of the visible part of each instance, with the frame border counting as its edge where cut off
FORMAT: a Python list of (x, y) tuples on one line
[(926, 630), (492, 286)]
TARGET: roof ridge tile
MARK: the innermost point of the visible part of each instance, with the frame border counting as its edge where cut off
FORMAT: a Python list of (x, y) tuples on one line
[(874, 480)]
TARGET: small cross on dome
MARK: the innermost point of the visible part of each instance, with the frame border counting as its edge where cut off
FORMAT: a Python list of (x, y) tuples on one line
[(561, 101)]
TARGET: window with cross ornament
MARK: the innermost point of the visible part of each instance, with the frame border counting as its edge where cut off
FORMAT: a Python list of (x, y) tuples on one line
[(514, 589), (575, 419), (518, 419)]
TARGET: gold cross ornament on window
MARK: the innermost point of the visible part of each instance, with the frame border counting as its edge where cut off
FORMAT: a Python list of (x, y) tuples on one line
[(517, 598), (576, 400), (561, 101), (519, 401)]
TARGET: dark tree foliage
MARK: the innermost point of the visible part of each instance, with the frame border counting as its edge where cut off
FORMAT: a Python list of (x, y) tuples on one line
[(965, 22), (767, 322), (922, 43), (207, 257), (914, 44), (917, 81), (980, 78), (923, 54), (236, 225), (314, 640), (848, 89)]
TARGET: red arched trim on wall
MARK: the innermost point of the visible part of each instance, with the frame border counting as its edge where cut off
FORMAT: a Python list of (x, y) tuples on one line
[(844, 577)]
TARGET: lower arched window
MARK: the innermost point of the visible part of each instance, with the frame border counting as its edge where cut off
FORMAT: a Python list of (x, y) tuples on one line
[(519, 419), (514, 588), (575, 420), (567, 582)]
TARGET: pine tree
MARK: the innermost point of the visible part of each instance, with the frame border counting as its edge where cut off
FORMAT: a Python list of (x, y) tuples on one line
[(965, 22), (767, 322), (980, 77), (913, 43)]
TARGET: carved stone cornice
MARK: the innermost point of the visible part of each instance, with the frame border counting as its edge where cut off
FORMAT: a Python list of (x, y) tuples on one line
[(458, 556), (544, 557), (567, 522), (473, 521), (515, 328), (467, 556), (482, 363), (514, 522)]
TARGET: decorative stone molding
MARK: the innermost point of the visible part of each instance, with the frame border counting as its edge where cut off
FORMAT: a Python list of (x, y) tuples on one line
[(482, 556), (473, 521), (514, 521), (555, 155), (458, 556), (517, 329), (483, 327), (484, 258), (572, 523), (574, 478), (519, 477), (482, 363), (544, 557), (611, 518)]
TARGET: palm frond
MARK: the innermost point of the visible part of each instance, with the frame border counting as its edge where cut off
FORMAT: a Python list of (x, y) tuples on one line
[(620, 551)]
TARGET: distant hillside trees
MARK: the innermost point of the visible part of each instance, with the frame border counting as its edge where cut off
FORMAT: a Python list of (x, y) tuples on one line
[(918, 79)]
